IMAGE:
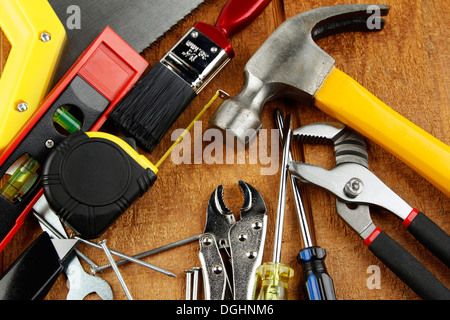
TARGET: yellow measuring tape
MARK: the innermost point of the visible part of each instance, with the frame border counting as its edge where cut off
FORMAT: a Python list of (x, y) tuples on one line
[(220, 93)]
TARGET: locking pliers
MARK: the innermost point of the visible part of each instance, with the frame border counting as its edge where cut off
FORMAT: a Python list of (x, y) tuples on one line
[(243, 241), (352, 182)]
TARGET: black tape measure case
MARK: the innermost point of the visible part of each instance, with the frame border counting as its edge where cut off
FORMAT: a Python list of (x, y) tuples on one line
[(91, 178)]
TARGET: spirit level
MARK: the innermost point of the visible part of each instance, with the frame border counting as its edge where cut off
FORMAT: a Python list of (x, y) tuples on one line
[(105, 72), (37, 39)]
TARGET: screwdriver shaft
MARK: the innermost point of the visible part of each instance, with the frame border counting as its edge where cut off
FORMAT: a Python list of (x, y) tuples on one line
[(282, 195), (302, 217), (318, 284)]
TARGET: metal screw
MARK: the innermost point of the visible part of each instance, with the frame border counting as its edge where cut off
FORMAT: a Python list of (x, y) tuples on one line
[(45, 37), (214, 49), (194, 34), (49, 144), (251, 254), (22, 106), (353, 187), (115, 268)]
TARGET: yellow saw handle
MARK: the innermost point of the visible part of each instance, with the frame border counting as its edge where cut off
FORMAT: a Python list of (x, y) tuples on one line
[(37, 37), (343, 98)]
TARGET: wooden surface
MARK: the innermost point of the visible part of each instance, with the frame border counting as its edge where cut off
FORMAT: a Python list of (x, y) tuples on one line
[(406, 65)]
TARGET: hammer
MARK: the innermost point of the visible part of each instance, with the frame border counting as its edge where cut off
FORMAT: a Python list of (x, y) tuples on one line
[(290, 64)]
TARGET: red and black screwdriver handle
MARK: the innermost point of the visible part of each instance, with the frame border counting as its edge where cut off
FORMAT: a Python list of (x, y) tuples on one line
[(406, 266), (235, 16), (436, 240)]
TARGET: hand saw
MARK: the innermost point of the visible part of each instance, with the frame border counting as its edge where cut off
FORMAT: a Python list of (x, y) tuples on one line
[(33, 61)]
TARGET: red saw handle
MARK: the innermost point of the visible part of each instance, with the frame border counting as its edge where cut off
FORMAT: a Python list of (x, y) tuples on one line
[(236, 15)]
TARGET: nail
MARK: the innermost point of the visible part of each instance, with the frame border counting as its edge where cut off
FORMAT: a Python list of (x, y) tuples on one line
[(127, 257), (188, 283), (57, 234), (116, 269), (150, 252), (195, 284)]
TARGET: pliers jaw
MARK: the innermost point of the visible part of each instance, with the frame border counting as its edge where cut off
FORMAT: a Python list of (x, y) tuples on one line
[(350, 181), (353, 183), (358, 218), (243, 242)]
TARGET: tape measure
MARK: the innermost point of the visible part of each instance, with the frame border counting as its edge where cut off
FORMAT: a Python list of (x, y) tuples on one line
[(91, 178)]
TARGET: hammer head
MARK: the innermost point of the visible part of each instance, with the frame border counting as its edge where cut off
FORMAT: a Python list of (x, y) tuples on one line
[(291, 64)]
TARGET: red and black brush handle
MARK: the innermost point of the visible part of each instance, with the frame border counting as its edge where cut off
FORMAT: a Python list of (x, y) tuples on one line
[(235, 16), (406, 266)]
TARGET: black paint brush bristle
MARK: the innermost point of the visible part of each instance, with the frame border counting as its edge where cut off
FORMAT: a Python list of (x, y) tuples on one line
[(158, 99), (149, 110)]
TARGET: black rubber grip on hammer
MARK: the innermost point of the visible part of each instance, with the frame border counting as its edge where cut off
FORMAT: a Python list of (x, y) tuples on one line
[(436, 240), (408, 268)]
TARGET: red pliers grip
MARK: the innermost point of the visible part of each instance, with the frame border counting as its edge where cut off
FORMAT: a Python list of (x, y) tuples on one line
[(353, 183)]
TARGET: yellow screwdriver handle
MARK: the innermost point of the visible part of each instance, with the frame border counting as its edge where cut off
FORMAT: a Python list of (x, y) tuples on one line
[(346, 100), (272, 280)]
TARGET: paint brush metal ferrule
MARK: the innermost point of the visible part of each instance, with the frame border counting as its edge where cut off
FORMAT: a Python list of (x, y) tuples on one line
[(196, 59)]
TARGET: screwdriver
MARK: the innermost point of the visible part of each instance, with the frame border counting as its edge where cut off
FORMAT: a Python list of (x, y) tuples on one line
[(272, 278), (318, 284)]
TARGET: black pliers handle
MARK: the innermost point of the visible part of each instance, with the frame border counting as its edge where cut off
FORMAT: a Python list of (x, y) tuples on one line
[(353, 183)]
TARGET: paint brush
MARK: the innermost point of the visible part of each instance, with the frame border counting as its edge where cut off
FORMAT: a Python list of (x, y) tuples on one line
[(159, 98)]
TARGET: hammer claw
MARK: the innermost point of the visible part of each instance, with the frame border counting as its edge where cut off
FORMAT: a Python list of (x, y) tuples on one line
[(290, 64)]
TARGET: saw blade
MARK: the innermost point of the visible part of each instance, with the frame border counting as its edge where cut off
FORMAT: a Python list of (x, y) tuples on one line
[(138, 22)]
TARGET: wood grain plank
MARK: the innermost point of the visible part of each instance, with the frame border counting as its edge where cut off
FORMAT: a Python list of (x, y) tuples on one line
[(405, 65)]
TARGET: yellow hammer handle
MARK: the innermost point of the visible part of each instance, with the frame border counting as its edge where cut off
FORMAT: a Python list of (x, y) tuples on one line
[(346, 100)]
